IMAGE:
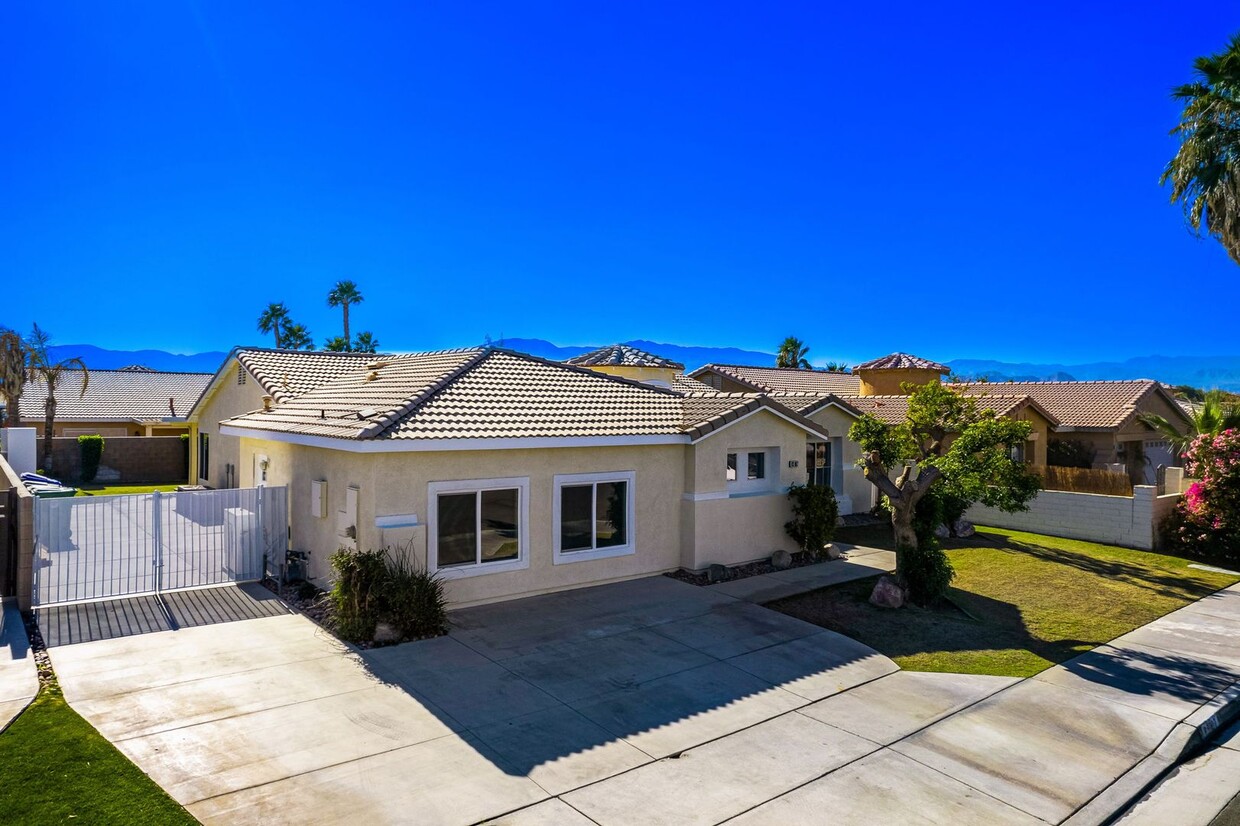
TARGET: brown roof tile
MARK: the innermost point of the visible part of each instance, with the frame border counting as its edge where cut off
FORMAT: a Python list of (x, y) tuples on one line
[(902, 361), (1098, 405), (622, 355), (784, 379)]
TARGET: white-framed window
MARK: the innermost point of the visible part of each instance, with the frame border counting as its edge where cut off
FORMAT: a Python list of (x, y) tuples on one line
[(752, 470), (593, 516), (478, 526)]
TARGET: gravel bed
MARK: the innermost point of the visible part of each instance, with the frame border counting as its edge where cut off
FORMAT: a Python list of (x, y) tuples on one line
[(762, 566)]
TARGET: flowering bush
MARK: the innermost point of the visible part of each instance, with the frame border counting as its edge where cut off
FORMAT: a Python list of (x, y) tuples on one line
[(1207, 520)]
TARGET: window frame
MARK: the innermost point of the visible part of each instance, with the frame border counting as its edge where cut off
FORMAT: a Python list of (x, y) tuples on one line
[(204, 456), (563, 480), (476, 486), (742, 485)]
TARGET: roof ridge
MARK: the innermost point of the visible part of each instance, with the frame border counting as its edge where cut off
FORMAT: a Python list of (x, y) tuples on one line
[(382, 423), (586, 371)]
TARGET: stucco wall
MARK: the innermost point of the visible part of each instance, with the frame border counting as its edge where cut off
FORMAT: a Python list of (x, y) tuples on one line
[(396, 483), (1115, 520), (853, 483), (229, 399), (634, 373), (886, 382)]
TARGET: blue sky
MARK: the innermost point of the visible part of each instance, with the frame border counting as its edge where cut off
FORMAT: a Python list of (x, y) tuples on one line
[(956, 182)]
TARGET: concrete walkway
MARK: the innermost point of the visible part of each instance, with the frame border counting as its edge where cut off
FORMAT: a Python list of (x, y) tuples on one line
[(859, 562), (1195, 793), (648, 701), (19, 679)]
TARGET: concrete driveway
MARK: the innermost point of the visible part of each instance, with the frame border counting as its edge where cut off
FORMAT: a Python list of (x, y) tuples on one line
[(272, 720)]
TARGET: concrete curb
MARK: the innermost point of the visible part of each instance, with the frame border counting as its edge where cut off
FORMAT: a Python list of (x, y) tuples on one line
[(1114, 801)]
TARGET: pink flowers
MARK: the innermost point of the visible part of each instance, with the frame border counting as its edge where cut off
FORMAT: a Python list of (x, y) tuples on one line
[(1207, 521)]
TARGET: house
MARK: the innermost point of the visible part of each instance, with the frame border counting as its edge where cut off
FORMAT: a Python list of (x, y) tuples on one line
[(509, 474), (1103, 416), (125, 402), (632, 363)]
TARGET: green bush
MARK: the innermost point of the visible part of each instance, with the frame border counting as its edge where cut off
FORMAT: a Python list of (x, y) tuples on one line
[(91, 448), (386, 586), (927, 570), (814, 514)]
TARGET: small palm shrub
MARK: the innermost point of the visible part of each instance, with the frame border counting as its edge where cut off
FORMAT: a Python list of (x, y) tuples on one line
[(814, 514)]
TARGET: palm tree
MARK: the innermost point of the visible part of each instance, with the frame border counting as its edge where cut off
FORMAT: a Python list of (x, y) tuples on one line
[(342, 295), (274, 320), (51, 373), (792, 353), (836, 367), (1215, 414), (13, 374), (1205, 172), (366, 342), (336, 344), (297, 337)]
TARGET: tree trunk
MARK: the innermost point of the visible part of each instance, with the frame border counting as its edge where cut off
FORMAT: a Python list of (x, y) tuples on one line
[(12, 415), (348, 342), (49, 421), (906, 537)]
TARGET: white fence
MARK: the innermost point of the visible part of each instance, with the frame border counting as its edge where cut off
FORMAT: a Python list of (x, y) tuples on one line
[(1130, 521), (102, 547)]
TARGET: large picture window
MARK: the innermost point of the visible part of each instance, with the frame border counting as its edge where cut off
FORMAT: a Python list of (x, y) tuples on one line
[(478, 526), (593, 516)]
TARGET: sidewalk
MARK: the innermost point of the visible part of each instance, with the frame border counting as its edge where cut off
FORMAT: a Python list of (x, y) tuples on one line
[(1195, 793), (19, 681), (1074, 744)]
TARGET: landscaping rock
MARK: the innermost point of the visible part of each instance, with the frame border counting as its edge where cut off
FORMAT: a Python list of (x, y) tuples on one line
[(385, 633), (832, 552), (963, 528), (781, 560), (717, 573), (887, 594), (942, 531)]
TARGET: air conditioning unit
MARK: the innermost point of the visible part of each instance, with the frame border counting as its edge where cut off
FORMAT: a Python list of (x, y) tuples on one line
[(243, 558)]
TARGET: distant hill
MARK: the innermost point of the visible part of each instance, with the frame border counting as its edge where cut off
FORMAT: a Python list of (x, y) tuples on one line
[(1199, 371)]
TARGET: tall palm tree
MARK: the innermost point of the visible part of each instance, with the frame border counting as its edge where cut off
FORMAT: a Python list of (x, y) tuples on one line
[(1205, 172), (836, 367), (273, 320), (342, 295), (13, 374), (792, 353), (297, 337), (1212, 416), (51, 373), (336, 344), (366, 342)]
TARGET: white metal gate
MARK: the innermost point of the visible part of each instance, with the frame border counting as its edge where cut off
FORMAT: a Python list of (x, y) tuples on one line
[(103, 547)]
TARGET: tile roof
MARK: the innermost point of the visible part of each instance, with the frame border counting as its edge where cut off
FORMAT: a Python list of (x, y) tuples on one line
[(683, 384), (784, 379), (1099, 405), (902, 361), (894, 409), (284, 374), (489, 393), (622, 355), (116, 395)]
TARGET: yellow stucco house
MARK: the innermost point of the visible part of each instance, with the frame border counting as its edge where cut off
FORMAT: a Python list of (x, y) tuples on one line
[(509, 474)]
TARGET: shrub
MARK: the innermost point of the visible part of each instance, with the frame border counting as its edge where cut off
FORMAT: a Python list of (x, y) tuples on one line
[(1206, 521), (814, 514), (386, 586), (927, 571), (91, 448), (1070, 453)]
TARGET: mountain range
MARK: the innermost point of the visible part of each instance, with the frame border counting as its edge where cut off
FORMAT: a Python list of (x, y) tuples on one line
[(1199, 371)]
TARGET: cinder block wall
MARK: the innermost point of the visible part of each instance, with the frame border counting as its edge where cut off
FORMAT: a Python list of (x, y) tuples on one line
[(17, 538), (1130, 521), (139, 459)]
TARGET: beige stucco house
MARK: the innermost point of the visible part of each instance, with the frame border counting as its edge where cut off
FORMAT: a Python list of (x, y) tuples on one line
[(508, 474)]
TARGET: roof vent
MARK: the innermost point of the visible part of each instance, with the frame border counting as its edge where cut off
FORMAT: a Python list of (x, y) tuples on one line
[(377, 363), (267, 400), (366, 412), (372, 375)]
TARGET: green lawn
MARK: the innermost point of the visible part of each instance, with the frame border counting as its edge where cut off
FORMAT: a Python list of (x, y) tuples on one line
[(1022, 602), (55, 768), (114, 490)]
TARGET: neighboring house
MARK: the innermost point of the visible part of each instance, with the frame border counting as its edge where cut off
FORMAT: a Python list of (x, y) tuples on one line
[(629, 362), (1103, 415), (126, 402), (509, 474)]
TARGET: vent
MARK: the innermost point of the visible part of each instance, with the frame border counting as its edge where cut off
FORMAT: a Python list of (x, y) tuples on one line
[(240, 374)]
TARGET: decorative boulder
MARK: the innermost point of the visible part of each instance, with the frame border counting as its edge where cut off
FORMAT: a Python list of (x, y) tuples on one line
[(942, 531), (832, 552), (887, 594), (963, 528), (781, 560), (386, 632), (716, 573)]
